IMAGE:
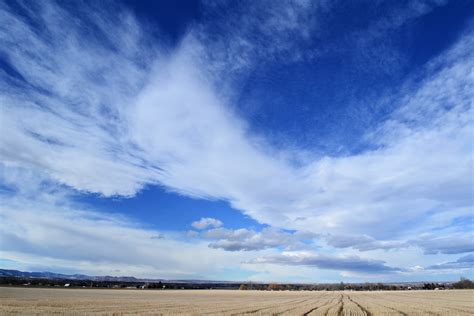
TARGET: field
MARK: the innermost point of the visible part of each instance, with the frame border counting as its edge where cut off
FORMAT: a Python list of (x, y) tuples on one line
[(46, 301)]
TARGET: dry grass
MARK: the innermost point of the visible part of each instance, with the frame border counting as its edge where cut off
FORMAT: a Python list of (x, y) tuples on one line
[(44, 301)]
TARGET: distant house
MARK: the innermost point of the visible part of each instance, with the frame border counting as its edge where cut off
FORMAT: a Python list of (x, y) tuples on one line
[(67, 285)]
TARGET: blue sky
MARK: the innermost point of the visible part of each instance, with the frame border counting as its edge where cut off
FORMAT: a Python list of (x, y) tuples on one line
[(301, 141)]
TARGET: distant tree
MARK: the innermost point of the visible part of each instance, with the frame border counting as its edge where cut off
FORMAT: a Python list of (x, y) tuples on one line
[(259, 287), (243, 287), (464, 284), (291, 287), (274, 287), (380, 286), (429, 286)]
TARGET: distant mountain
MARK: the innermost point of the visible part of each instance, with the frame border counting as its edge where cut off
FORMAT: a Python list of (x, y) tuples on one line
[(52, 275), (190, 283), (56, 276)]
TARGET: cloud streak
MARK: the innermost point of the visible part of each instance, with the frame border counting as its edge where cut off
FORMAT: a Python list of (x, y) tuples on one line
[(363, 243), (450, 244), (347, 263), (465, 262)]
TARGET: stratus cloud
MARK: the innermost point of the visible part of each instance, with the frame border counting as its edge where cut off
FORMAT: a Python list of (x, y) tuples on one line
[(206, 222), (449, 244), (444, 243), (330, 262), (163, 121), (465, 262)]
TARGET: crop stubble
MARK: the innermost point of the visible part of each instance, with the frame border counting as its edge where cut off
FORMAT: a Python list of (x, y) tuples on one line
[(49, 301)]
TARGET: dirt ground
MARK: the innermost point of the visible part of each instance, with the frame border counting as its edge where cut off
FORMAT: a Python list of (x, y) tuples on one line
[(49, 301)]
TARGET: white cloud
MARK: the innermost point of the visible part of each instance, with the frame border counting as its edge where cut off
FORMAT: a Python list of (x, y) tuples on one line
[(42, 229), (363, 242), (61, 113), (206, 222), (342, 263), (454, 243), (463, 263), (48, 230), (117, 138), (255, 32), (247, 239)]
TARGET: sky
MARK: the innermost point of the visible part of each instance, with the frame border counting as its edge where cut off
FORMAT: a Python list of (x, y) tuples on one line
[(272, 141)]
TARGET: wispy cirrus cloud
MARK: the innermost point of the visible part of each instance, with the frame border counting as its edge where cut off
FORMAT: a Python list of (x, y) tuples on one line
[(391, 184), (62, 96), (137, 127)]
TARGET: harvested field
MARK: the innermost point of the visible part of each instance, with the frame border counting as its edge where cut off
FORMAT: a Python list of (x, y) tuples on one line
[(47, 301)]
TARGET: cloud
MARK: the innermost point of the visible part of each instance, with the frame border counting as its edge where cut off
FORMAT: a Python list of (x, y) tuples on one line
[(255, 33), (206, 222), (445, 242), (329, 262), (363, 242), (48, 230), (100, 114), (376, 192), (450, 244), (374, 47), (248, 240), (465, 262), (62, 98)]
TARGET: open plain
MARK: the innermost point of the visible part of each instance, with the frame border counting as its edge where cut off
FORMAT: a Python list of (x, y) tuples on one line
[(48, 301)]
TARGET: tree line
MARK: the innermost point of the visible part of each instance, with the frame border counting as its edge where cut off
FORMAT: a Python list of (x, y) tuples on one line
[(462, 284)]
